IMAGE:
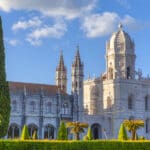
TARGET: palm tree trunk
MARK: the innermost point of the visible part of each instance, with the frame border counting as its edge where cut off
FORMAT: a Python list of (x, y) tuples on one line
[(133, 135), (77, 136)]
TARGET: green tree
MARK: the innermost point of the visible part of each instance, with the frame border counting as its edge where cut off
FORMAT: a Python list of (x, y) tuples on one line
[(62, 132), (34, 136), (25, 133), (77, 128), (4, 89), (132, 126), (89, 135), (122, 135)]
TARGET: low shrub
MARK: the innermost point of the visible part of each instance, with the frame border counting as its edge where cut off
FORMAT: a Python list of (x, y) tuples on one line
[(25, 133), (73, 145)]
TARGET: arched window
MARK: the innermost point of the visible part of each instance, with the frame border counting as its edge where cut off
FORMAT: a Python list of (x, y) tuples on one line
[(97, 131), (32, 106), (128, 73), (109, 103), (110, 75), (94, 96), (49, 132), (65, 108), (32, 128), (48, 107), (147, 102), (110, 125), (14, 106), (130, 102), (13, 131), (147, 125)]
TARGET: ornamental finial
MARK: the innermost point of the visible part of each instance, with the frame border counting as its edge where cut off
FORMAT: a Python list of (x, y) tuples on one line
[(120, 25)]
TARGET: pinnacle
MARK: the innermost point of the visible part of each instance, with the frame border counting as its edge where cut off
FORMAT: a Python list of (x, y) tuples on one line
[(120, 26), (77, 60)]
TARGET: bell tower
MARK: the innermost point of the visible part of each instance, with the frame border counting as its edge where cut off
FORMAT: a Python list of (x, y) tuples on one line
[(77, 82), (120, 56), (61, 74)]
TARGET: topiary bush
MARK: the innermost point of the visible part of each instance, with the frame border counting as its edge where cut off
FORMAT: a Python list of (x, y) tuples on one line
[(62, 132), (122, 135), (25, 133), (89, 135), (35, 136)]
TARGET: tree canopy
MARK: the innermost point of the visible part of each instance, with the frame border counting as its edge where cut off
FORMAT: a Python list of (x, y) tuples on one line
[(4, 89), (132, 126), (76, 128)]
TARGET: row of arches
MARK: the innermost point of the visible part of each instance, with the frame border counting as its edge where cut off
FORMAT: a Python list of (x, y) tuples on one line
[(14, 131)]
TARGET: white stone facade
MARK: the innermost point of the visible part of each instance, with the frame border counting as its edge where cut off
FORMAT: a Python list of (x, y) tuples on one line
[(121, 92)]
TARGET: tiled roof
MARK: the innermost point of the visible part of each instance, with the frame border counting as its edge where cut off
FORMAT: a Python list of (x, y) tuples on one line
[(34, 88)]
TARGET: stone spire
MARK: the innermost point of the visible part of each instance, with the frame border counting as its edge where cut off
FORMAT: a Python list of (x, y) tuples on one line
[(77, 61), (61, 61), (77, 84), (61, 74)]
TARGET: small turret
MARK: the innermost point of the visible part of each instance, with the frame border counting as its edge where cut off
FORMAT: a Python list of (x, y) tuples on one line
[(77, 83), (77, 73), (61, 74)]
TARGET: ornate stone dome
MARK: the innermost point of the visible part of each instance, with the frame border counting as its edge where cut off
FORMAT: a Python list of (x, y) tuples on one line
[(120, 40)]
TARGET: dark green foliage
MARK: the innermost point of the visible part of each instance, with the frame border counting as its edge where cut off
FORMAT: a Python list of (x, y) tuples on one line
[(62, 132), (122, 135), (25, 133), (4, 89), (35, 136), (73, 145)]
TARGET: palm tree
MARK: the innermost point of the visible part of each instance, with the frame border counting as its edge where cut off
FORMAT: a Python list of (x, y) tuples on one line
[(77, 128), (132, 126)]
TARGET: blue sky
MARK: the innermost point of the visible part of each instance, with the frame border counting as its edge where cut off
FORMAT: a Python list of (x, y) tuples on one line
[(36, 30)]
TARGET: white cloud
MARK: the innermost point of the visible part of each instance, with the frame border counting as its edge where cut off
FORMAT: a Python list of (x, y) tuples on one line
[(13, 42), (67, 8), (98, 25), (55, 31), (34, 42), (32, 23)]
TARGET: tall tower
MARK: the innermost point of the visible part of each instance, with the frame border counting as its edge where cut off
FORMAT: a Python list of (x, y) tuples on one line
[(77, 83), (61, 74), (120, 56)]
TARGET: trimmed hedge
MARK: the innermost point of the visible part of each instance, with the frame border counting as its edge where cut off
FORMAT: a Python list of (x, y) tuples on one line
[(73, 145)]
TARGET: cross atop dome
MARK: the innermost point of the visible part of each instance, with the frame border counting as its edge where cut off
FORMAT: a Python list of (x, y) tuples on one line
[(120, 26)]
